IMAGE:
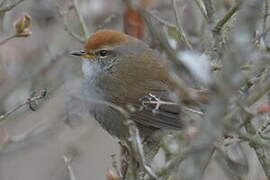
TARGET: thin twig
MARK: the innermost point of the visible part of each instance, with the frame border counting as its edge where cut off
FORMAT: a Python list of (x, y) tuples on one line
[(263, 127), (138, 147), (81, 19), (161, 21), (67, 27), (38, 96), (11, 141), (202, 9), (218, 27), (10, 6), (174, 162), (156, 33), (180, 29), (232, 168), (37, 129), (192, 110), (258, 91), (107, 21), (208, 4), (209, 158), (255, 142), (266, 11), (69, 167), (7, 39)]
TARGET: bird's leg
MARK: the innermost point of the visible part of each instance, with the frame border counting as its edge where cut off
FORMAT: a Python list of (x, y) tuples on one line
[(151, 99)]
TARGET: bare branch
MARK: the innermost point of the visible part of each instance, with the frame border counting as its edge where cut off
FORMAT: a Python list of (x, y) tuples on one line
[(32, 99), (107, 20), (209, 10), (81, 20), (264, 25), (21, 27), (202, 9), (180, 29), (67, 27), (10, 6), (69, 167), (174, 162), (7, 39), (11, 141), (138, 147), (162, 21), (218, 27)]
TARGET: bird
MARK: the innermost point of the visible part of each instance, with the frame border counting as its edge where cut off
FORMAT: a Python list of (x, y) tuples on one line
[(126, 72)]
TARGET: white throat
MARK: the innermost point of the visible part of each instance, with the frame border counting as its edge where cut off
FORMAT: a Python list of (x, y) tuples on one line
[(90, 68)]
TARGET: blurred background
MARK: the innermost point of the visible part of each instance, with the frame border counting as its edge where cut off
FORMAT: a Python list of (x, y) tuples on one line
[(33, 144)]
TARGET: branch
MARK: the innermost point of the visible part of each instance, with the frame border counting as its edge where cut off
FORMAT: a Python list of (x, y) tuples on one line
[(180, 29), (138, 147), (162, 21), (33, 99), (209, 10), (174, 162), (81, 20), (10, 6), (107, 21), (12, 140), (69, 168), (260, 90), (203, 146), (266, 14), (67, 27), (201, 8), (21, 27), (219, 25), (7, 39)]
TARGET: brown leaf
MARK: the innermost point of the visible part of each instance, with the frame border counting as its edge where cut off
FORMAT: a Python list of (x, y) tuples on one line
[(133, 23)]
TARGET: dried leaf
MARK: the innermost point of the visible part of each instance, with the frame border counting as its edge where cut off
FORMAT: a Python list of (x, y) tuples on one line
[(133, 23)]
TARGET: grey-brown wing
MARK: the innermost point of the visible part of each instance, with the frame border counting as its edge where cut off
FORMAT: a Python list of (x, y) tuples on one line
[(165, 116)]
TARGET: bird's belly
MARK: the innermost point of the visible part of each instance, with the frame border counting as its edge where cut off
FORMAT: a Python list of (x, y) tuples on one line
[(98, 105)]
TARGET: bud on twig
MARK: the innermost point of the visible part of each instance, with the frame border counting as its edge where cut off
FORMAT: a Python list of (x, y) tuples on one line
[(22, 26)]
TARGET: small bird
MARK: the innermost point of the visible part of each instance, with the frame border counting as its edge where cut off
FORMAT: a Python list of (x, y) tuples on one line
[(125, 71)]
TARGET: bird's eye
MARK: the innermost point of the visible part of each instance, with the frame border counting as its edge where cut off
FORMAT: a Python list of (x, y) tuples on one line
[(102, 53)]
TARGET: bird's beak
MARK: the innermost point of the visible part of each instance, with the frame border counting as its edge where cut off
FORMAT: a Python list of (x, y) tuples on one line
[(81, 53), (77, 53)]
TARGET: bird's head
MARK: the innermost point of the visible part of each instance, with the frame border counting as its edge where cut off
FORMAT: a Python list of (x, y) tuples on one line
[(106, 48), (101, 46)]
